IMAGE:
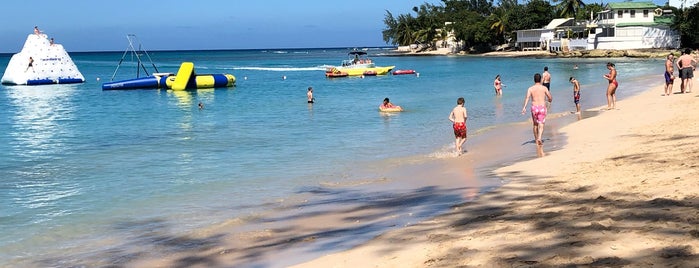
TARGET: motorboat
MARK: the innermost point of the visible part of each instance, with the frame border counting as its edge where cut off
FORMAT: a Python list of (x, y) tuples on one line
[(358, 64)]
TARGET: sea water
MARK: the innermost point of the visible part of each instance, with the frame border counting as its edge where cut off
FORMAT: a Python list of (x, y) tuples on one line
[(80, 166)]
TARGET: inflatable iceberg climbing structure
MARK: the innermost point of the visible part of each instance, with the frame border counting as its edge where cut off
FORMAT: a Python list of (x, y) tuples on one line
[(41, 62)]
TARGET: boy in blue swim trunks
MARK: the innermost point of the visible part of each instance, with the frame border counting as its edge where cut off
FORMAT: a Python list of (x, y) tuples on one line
[(576, 93), (539, 94)]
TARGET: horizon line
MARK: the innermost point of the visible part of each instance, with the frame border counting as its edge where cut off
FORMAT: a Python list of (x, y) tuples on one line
[(217, 49)]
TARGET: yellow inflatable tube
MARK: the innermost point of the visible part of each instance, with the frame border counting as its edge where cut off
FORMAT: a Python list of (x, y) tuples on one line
[(187, 78), (204, 81)]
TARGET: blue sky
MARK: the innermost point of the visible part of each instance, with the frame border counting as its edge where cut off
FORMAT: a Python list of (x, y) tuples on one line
[(82, 25)]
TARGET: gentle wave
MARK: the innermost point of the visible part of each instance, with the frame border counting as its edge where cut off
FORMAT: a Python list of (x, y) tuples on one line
[(281, 69)]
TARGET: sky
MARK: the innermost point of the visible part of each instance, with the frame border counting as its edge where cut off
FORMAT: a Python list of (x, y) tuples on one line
[(88, 25)]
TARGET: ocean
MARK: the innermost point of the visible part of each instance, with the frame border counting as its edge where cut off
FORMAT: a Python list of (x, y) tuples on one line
[(82, 170)]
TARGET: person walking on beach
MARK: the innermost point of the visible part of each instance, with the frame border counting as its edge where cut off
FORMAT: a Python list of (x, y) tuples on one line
[(576, 94), (546, 78), (309, 95), (458, 118), (498, 85), (669, 74), (686, 65), (539, 95), (611, 88)]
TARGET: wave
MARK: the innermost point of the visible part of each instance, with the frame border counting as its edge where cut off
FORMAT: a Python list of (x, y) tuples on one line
[(281, 69)]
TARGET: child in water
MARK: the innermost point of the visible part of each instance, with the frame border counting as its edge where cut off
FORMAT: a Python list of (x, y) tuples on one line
[(458, 118)]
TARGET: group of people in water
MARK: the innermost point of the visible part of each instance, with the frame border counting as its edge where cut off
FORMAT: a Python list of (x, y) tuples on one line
[(546, 82), (540, 97)]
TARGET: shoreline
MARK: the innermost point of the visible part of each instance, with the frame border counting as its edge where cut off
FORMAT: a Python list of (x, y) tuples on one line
[(356, 214), (621, 192), (397, 194), (597, 53)]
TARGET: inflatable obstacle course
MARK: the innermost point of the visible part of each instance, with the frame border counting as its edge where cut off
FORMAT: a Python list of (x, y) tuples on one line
[(41, 62), (186, 78)]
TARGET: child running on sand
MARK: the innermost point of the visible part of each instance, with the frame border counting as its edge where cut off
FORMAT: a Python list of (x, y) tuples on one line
[(458, 118)]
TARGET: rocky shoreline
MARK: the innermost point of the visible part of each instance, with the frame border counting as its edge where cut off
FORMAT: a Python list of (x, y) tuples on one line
[(597, 53)]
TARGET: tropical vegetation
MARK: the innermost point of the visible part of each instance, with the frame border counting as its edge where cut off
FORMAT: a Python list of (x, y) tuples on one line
[(480, 25)]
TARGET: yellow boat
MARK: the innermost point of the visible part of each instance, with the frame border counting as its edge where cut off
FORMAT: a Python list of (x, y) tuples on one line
[(357, 65)]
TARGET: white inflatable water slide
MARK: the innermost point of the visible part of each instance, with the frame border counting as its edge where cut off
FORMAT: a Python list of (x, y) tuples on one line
[(50, 64)]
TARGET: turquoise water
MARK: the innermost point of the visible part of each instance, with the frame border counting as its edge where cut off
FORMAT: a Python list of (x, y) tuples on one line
[(76, 161)]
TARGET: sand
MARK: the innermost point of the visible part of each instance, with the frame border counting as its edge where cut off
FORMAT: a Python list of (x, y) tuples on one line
[(623, 192)]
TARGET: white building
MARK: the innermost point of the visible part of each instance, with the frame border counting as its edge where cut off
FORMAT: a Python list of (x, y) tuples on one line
[(624, 25), (539, 39), (632, 25)]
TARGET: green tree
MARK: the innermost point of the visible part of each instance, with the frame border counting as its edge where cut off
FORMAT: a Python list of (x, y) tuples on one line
[(585, 12), (498, 22), (537, 14), (569, 8), (687, 23), (398, 31), (406, 29)]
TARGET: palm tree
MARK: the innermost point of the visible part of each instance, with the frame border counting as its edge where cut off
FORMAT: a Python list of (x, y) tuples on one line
[(404, 30), (568, 8), (498, 21)]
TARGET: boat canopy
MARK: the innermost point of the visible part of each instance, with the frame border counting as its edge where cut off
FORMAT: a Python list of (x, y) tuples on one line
[(359, 53)]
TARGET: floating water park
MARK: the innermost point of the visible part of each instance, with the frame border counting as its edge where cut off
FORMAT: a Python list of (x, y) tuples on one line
[(186, 77), (41, 61)]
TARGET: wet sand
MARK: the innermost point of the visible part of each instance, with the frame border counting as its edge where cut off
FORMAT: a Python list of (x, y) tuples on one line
[(621, 192)]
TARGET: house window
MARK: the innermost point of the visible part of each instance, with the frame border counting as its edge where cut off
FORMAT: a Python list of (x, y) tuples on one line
[(633, 13), (619, 14), (645, 13)]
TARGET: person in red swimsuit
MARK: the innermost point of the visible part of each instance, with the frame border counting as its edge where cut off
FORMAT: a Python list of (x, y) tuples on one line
[(458, 118), (611, 88), (498, 85)]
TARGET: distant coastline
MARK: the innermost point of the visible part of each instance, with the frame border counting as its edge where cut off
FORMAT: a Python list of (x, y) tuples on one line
[(598, 53)]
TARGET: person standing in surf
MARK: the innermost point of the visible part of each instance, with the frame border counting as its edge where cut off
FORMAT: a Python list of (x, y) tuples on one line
[(611, 88), (309, 95), (576, 93), (497, 84), (458, 118)]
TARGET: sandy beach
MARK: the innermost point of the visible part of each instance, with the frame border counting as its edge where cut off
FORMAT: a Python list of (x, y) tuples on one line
[(621, 193)]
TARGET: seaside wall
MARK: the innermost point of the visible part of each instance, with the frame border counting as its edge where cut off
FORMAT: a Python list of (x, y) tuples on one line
[(51, 64)]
